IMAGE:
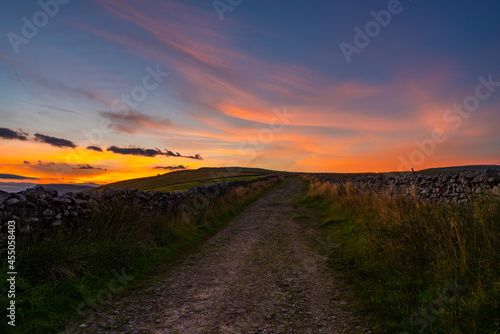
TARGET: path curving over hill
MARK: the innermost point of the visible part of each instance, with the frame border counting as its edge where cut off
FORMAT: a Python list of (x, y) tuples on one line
[(261, 274)]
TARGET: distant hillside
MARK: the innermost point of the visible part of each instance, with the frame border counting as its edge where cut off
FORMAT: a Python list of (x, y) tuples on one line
[(460, 168), (183, 179), (60, 187), (66, 188), (241, 169)]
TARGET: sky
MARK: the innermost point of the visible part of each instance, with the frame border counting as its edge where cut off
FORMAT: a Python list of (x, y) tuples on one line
[(100, 91)]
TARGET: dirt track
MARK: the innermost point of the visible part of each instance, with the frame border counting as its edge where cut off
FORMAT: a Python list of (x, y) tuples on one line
[(263, 273)]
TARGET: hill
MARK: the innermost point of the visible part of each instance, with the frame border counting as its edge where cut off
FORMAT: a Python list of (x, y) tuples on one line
[(61, 188), (184, 179), (66, 188), (459, 168)]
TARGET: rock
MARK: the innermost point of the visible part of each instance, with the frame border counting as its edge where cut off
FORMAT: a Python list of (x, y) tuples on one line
[(20, 197), (61, 200), (48, 191), (31, 197), (48, 212), (470, 175), (477, 180), (12, 201), (32, 220), (56, 223), (494, 179)]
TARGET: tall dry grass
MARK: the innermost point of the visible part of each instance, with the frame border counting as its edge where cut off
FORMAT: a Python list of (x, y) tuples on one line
[(407, 251)]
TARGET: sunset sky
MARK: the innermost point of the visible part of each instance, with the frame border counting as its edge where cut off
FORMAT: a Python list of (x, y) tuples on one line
[(101, 91)]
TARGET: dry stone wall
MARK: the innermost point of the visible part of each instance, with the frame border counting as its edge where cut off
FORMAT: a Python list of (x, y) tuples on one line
[(42, 209), (441, 188)]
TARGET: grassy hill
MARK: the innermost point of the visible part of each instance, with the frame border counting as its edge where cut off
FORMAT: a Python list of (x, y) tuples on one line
[(460, 168), (184, 179)]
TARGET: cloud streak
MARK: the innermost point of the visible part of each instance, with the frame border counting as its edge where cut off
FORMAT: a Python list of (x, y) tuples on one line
[(133, 121)]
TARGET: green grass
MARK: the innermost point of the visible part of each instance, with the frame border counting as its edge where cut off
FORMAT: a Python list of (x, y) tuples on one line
[(187, 185), (418, 268), (56, 275), (179, 180)]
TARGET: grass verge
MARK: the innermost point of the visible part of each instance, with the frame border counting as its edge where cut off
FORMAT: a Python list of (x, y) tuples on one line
[(64, 278), (418, 267)]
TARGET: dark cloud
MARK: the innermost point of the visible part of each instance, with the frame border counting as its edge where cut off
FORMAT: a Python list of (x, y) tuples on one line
[(87, 166), (26, 162), (94, 148), (180, 167), (16, 177), (11, 134), (172, 154), (149, 152), (196, 157), (57, 142), (135, 151)]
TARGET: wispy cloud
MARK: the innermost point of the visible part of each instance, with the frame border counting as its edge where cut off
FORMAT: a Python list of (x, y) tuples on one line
[(52, 107), (133, 121)]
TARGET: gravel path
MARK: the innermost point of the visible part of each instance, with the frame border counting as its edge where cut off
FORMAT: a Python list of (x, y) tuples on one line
[(263, 273)]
